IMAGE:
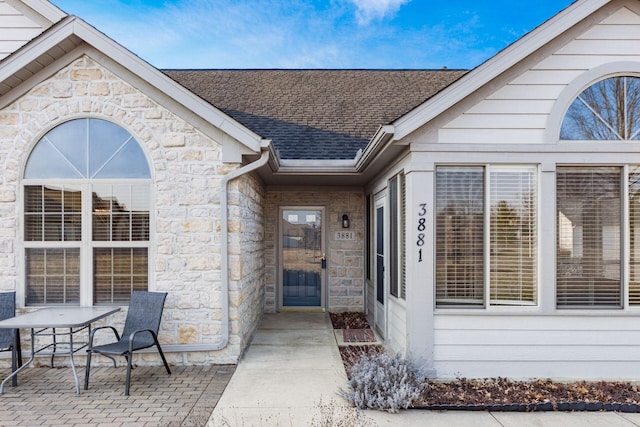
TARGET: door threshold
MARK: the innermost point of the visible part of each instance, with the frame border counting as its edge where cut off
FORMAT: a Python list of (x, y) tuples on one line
[(302, 309)]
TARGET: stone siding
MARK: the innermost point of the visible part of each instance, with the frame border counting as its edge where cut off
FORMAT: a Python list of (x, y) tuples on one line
[(246, 258), (345, 258), (187, 172)]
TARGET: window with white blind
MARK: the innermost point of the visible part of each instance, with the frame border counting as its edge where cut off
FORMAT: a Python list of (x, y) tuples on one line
[(513, 235), (394, 244), (397, 286), (473, 232), (589, 244), (634, 235), (86, 216)]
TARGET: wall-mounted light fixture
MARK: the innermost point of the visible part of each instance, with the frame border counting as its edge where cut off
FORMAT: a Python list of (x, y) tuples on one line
[(345, 221)]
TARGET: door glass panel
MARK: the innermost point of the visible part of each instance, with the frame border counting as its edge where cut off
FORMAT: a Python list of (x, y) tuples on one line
[(301, 258)]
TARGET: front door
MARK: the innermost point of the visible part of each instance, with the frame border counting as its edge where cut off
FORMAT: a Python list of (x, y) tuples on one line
[(379, 260), (302, 257)]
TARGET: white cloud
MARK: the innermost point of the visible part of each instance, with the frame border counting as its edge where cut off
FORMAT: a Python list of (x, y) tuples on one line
[(368, 10)]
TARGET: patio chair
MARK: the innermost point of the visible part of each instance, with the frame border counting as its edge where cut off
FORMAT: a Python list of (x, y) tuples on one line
[(10, 338), (140, 331)]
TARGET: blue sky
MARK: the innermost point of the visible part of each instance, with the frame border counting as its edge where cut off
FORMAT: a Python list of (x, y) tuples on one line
[(384, 34)]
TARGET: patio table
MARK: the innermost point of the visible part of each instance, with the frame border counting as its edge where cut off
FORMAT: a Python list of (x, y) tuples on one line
[(56, 322)]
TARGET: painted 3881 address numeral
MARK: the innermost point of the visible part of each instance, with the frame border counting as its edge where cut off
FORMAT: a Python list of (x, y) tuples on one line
[(422, 212)]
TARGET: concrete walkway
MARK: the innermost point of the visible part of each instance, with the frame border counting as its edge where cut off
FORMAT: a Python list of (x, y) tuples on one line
[(293, 365)]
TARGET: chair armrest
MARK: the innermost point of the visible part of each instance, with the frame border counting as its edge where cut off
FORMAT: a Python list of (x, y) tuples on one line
[(137, 331), (94, 330)]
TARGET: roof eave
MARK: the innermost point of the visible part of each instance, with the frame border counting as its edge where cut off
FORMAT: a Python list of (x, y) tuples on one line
[(316, 166), (168, 86), (47, 9), (73, 26), (381, 139)]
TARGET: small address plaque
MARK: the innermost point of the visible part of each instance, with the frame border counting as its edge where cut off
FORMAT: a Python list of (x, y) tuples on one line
[(345, 235)]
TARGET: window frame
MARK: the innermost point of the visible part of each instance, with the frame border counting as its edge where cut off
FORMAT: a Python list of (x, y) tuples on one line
[(86, 244), (487, 304), (397, 236), (625, 244)]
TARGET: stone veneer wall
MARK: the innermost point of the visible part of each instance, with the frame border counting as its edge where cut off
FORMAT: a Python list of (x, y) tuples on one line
[(246, 258), (187, 171), (345, 259)]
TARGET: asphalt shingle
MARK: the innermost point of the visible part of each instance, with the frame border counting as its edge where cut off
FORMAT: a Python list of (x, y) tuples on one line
[(315, 114)]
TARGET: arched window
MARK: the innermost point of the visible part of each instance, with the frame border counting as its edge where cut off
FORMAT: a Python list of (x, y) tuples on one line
[(87, 195), (607, 110)]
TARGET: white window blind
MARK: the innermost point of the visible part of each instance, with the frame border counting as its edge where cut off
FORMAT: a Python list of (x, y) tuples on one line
[(53, 275), (634, 235), (513, 234), (588, 237), (459, 236), (394, 246), (403, 238)]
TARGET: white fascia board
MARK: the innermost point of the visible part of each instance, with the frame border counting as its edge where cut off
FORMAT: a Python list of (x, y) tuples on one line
[(383, 135), (274, 159), (169, 87), (75, 26), (316, 166), (495, 66), (46, 9)]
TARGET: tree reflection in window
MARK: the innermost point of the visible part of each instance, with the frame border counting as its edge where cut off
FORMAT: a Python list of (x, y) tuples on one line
[(608, 110)]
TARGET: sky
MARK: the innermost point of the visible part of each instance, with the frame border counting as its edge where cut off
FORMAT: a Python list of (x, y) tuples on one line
[(329, 34)]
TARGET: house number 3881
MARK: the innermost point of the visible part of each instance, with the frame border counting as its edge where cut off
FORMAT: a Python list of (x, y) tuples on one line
[(422, 212)]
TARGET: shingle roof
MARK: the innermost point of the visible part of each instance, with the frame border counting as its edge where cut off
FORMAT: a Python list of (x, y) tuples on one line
[(315, 114)]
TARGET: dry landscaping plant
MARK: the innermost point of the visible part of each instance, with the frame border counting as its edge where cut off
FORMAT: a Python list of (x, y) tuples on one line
[(382, 381)]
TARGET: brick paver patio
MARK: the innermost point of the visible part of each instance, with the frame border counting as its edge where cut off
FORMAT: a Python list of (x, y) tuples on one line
[(47, 397)]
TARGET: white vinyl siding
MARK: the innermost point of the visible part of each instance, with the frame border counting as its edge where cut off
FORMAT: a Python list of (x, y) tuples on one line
[(533, 346), (16, 29), (518, 112)]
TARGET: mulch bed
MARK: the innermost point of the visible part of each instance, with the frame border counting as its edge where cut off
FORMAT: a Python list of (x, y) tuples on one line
[(349, 320), (501, 394), (358, 335)]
